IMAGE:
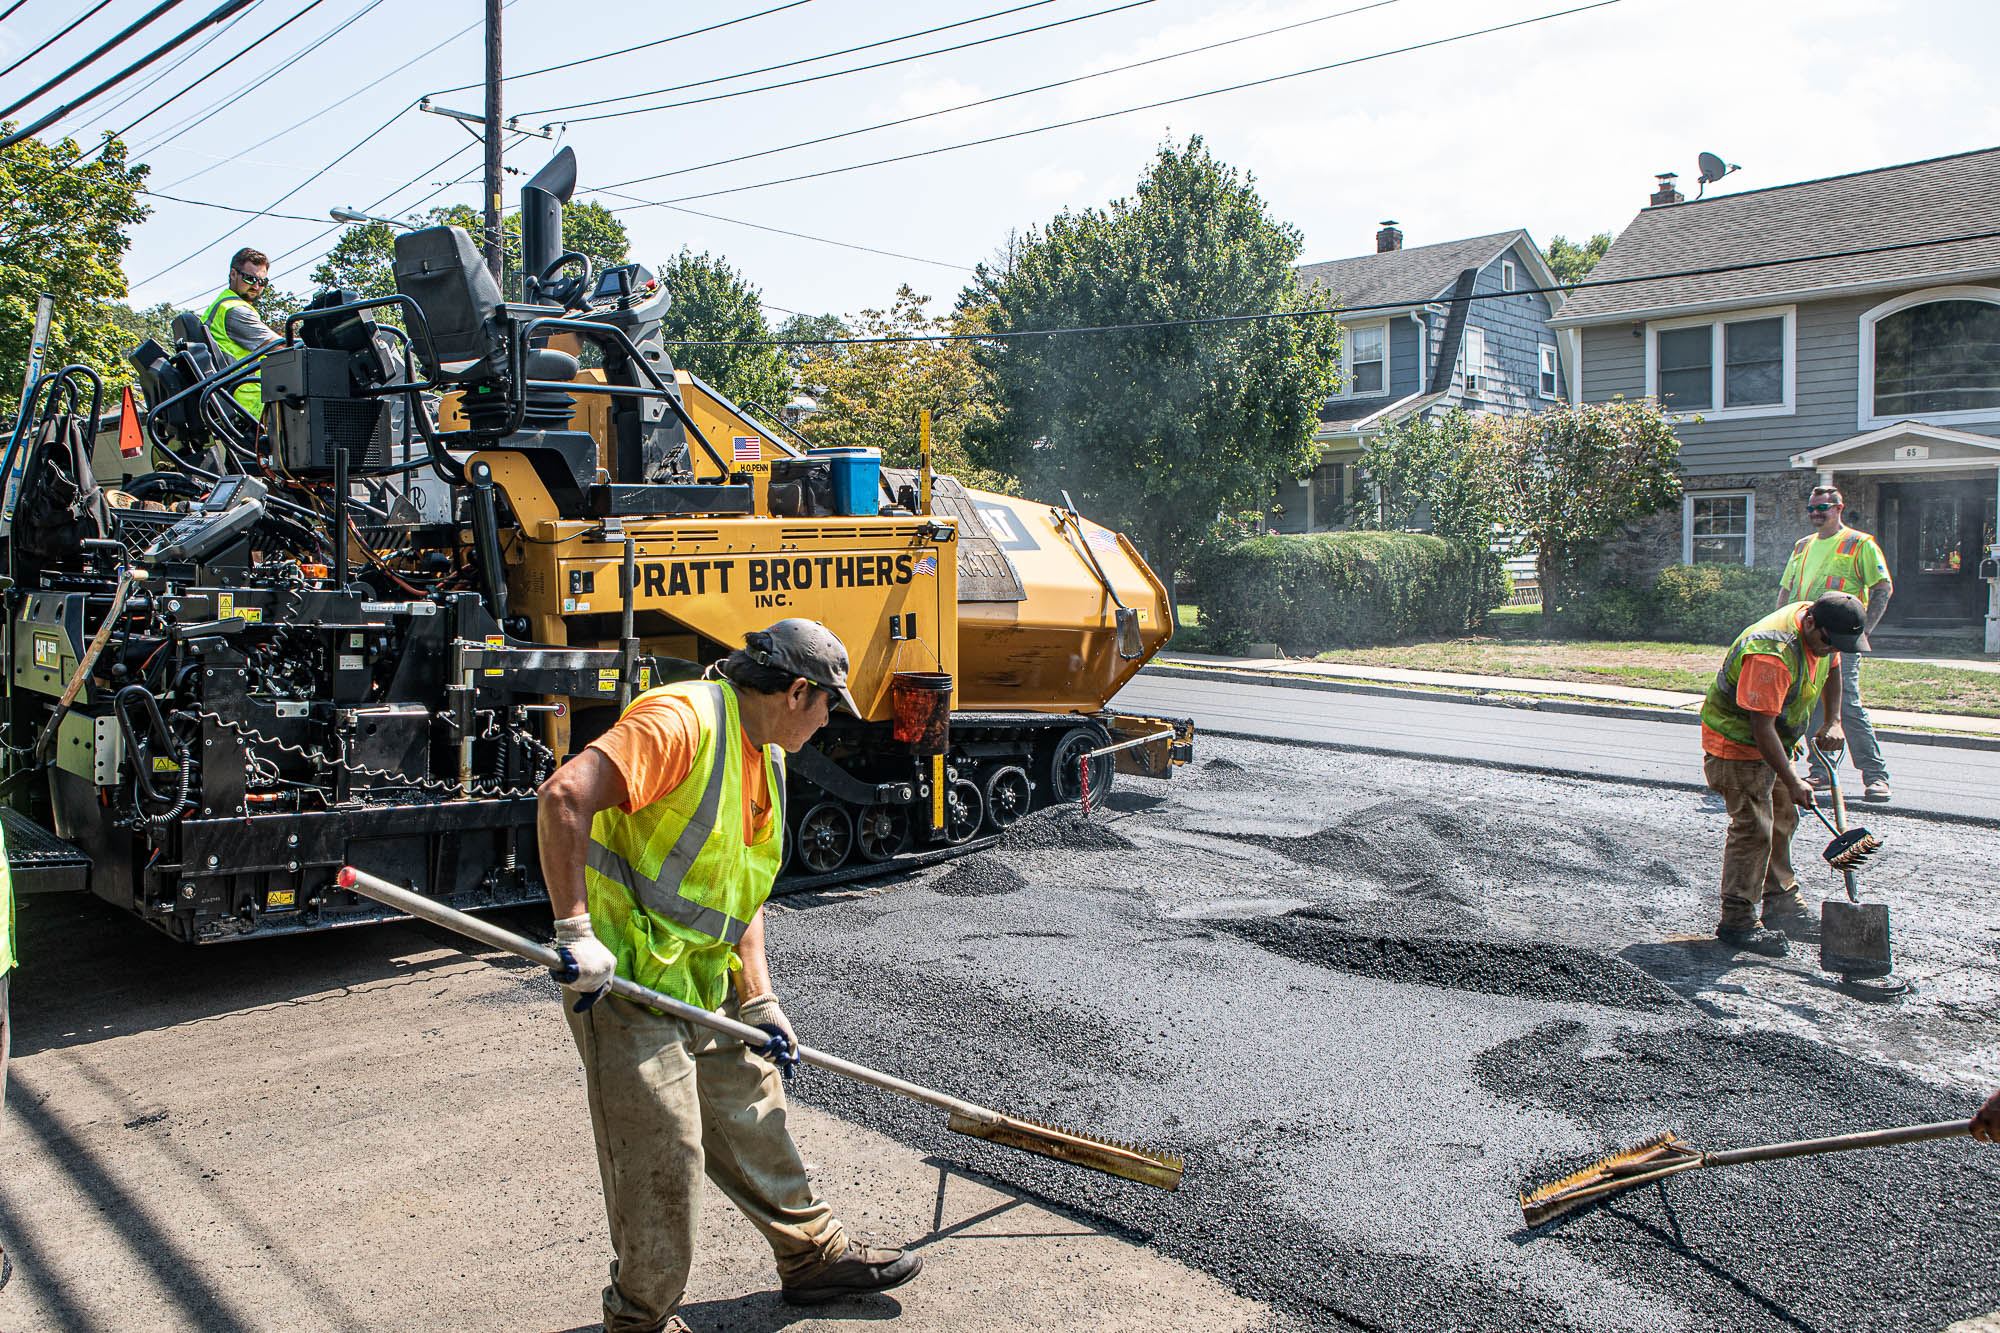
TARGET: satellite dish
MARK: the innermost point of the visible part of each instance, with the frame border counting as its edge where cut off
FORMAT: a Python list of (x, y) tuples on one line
[(1713, 169)]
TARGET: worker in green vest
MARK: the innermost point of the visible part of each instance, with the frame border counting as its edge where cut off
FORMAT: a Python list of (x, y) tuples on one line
[(1759, 707), (659, 844), (233, 321), (1837, 558)]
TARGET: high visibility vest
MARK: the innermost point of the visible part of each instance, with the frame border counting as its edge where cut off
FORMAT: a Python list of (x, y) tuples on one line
[(1837, 571), (1779, 635), (673, 886), (250, 392), (7, 955)]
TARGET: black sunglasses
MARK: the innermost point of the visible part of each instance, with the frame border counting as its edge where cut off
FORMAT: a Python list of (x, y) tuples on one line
[(1819, 509), (255, 282)]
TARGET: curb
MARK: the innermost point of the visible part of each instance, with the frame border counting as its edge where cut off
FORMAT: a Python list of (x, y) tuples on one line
[(1538, 702)]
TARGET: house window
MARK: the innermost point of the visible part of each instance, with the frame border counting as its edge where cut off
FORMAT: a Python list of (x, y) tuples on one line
[(1739, 365), (1718, 528), (1506, 275), (1367, 355), (1546, 383), (1472, 362), (1932, 355)]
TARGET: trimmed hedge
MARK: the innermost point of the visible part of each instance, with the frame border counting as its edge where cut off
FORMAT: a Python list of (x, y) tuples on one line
[(1312, 591), (1686, 604)]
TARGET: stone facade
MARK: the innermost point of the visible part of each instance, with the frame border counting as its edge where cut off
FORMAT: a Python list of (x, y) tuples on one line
[(1646, 547)]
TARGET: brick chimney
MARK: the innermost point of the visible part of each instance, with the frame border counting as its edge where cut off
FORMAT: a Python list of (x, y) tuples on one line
[(1389, 238), (1667, 194)]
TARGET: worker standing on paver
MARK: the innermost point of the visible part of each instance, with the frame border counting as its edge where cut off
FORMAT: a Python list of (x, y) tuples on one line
[(1758, 708), (1837, 558), (659, 845)]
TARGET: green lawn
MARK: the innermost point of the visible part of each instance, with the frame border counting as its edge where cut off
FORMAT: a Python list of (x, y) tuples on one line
[(1516, 647)]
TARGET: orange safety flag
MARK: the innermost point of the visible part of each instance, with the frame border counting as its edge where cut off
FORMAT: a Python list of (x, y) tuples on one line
[(131, 439)]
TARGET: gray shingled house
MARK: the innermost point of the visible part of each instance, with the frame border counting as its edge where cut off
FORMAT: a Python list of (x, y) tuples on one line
[(1878, 371), (1414, 351)]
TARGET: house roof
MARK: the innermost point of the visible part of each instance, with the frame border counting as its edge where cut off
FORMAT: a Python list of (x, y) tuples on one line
[(1411, 276), (1345, 417), (1916, 201)]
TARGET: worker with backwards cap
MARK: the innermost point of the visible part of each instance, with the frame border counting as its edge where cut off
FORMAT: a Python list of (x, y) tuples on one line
[(659, 844), (1758, 709)]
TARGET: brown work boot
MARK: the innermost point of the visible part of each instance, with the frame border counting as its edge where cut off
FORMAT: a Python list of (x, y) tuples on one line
[(857, 1272), (1788, 912), (1756, 939)]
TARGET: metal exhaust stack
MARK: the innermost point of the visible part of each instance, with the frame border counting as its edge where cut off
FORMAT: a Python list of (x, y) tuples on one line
[(1118, 1159)]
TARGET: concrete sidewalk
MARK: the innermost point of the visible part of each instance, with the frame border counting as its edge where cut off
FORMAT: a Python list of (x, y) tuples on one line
[(1889, 722)]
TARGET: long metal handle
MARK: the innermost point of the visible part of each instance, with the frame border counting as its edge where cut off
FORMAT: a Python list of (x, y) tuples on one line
[(403, 900), (1873, 1138), (1839, 812)]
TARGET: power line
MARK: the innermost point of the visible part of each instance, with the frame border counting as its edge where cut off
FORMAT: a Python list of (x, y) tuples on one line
[(860, 69), (1131, 110), (10, 10), (807, 236), (1002, 97), (269, 139), (150, 16), (1264, 316), (788, 64), (144, 86), (310, 7), (74, 24), (227, 208), (628, 50)]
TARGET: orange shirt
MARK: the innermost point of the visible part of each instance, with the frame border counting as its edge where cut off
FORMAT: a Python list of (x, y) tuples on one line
[(653, 748), (1760, 688)]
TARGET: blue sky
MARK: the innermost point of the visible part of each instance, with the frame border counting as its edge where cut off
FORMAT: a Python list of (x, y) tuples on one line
[(1557, 126)]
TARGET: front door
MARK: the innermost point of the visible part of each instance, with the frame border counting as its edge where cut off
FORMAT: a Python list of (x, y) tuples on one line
[(1935, 533)]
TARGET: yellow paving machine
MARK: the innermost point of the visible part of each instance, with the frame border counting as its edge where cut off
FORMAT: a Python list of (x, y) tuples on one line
[(363, 628)]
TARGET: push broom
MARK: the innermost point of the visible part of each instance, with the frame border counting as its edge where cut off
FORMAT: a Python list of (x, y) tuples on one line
[(1667, 1155), (1065, 1145)]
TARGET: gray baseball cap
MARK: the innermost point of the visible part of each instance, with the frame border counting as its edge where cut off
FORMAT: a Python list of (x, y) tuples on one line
[(809, 649)]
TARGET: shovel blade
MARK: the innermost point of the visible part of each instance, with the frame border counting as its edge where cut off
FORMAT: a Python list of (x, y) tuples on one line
[(1854, 939)]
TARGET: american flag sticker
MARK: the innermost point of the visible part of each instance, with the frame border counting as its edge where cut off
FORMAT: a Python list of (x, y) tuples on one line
[(1102, 540), (927, 565), (746, 449)]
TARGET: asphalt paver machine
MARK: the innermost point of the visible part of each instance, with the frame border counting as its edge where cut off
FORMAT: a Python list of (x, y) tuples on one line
[(464, 533)]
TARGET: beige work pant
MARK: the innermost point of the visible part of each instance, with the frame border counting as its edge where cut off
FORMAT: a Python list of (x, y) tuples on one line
[(1757, 858), (669, 1100)]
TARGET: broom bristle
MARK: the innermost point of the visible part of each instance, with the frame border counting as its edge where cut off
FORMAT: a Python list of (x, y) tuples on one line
[(1545, 1200), (1862, 849)]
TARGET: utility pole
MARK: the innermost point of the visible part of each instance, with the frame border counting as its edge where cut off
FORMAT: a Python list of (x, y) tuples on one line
[(495, 249)]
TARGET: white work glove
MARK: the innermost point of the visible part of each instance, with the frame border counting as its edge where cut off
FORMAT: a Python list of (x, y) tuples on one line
[(587, 965), (762, 1011)]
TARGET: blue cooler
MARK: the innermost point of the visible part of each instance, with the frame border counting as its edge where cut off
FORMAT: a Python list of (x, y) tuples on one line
[(857, 480)]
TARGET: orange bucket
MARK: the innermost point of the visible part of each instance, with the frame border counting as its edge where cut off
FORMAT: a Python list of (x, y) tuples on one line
[(922, 710)]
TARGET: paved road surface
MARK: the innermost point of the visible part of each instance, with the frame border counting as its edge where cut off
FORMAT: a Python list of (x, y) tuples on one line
[(1928, 779)]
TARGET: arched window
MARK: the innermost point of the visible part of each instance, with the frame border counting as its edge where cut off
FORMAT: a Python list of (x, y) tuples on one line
[(1932, 354)]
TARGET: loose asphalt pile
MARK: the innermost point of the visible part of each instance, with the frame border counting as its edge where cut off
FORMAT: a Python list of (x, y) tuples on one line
[(1360, 1086)]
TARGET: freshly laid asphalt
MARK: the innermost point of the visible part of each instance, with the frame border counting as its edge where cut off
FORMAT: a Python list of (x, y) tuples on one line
[(1944, 780)]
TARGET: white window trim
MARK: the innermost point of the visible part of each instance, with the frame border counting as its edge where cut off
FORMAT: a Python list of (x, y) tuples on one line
[(1507, 283), (1346, 389), (1749, 522), (1717, 322), (1459, 377), (1547, 351), (1865, 416)]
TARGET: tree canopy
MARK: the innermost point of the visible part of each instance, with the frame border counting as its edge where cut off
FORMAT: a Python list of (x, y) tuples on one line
[(64, 230), (870, 394), (1158, 430), (1571, 261), (713, 303)]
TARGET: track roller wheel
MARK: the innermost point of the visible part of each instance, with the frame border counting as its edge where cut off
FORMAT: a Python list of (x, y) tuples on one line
[(1065, 783), (1010, 794), (964, 811), (825, 837), (880, 831)]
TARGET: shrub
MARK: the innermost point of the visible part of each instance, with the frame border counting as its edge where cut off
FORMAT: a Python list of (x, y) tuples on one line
[(1323, 590), (1685, 604)]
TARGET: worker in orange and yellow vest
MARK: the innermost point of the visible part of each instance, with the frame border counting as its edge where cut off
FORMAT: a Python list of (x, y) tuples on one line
[(1757, 711), (659, 844), (1837, 558)]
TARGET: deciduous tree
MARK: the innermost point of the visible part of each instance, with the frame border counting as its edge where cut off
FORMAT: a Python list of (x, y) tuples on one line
[(364, 258), (1161, 427), (870, 394), (64, 230), (1571, 261), (711, 303)]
